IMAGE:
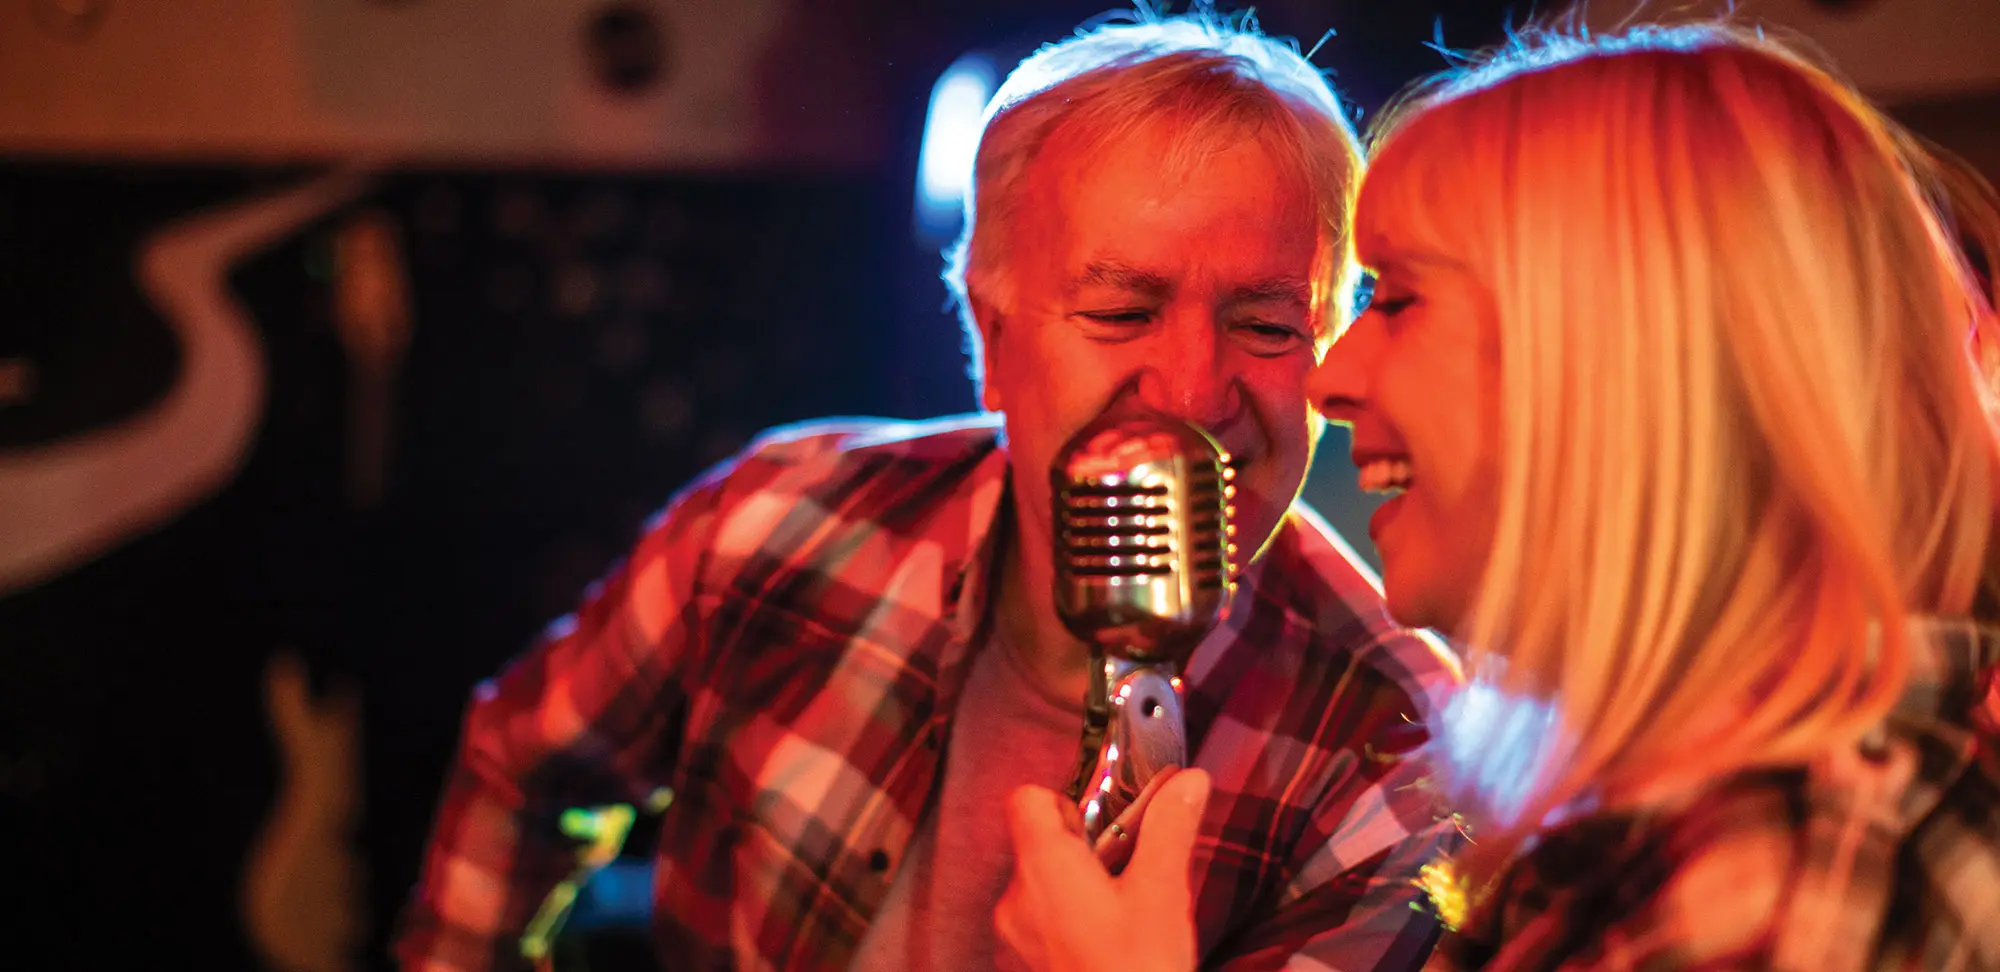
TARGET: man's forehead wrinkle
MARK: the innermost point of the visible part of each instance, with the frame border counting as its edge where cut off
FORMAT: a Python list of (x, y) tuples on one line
[(1181, 148), (1293, 289), (1116, 273), (1111, 272)]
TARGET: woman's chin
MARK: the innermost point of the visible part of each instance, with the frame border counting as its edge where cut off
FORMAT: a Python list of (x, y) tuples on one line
[(1413, 603), (1407, 615)]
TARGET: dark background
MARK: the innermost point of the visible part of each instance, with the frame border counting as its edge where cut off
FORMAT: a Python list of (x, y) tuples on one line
[(585, 340)]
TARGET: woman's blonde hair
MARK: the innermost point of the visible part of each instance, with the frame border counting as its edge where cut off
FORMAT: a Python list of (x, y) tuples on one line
[(1742, 436)]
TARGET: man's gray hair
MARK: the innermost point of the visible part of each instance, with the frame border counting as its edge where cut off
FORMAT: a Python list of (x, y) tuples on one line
[(1201, 79)]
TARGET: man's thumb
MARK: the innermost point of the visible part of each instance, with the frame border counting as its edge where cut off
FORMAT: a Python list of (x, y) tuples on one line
[(1167, 834)]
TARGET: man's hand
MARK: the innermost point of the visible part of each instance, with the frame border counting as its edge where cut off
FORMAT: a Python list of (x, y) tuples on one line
[(1064, 912)]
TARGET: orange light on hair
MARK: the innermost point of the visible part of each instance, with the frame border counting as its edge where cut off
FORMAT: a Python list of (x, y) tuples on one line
[(1744, 437)]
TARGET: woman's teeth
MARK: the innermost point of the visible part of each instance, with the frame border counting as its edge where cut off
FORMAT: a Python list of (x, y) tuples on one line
[(1385, 476)]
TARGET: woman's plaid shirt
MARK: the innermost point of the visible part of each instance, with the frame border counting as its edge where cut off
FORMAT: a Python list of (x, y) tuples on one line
[(784, 649), (1879, 858)]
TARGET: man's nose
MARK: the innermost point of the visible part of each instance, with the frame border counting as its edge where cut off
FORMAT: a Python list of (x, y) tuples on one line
[(1190, 379)]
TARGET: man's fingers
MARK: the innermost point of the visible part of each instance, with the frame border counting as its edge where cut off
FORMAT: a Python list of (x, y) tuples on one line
[(1034, 814), (1007, 918), (1072, 815), (1043, 833), (1047, 848), (1166, 842), (1114, 844), (1020, 927), (1050, 857)]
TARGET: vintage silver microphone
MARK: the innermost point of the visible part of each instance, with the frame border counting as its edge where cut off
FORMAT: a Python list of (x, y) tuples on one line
[(1144, 557)]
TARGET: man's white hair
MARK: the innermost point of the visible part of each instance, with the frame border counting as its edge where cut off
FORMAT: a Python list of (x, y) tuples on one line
[(1202, 80)]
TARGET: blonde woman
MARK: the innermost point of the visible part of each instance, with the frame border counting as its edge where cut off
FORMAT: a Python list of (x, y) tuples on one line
[(1673, 371)]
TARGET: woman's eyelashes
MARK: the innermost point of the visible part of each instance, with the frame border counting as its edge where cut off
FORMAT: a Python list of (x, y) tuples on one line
[(1385, 296), (1390, 300)]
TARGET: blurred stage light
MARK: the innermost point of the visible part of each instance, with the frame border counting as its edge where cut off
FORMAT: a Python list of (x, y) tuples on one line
[(951, 137)]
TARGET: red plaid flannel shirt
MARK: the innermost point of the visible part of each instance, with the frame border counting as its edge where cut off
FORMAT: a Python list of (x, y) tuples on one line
[(784, 649), (1884, 857)]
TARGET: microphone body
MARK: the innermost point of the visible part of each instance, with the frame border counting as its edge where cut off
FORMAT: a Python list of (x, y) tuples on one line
[(1143, 566)]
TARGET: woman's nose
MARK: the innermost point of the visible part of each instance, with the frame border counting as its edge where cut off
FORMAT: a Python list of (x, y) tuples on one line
[(1339, 384)]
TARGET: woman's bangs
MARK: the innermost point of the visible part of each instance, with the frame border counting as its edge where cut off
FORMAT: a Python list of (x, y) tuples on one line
[(1408, 197)]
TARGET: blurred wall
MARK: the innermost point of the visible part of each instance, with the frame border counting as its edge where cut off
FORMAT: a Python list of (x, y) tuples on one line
[(1896, 50), (669, 84), (342, 342)]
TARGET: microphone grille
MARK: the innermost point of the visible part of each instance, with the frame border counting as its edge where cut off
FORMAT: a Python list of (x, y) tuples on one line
[(1143, 544)]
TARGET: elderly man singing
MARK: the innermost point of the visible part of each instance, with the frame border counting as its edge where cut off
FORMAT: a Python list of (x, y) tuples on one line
[(841, 652)]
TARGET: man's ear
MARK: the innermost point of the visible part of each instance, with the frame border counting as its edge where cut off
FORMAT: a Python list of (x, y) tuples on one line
[(987, 322)]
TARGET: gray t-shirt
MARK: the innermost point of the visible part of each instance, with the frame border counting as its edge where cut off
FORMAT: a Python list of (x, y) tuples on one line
[(1010, 729)]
